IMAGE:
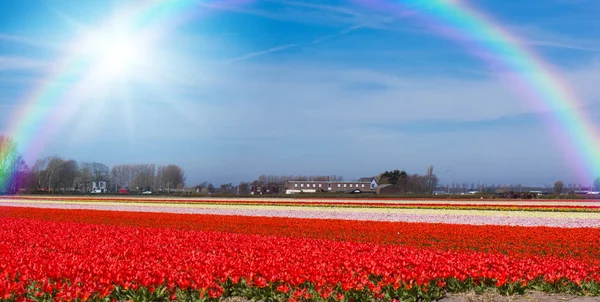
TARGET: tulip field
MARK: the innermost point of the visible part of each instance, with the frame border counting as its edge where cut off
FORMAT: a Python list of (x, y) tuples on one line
[(100, 249)]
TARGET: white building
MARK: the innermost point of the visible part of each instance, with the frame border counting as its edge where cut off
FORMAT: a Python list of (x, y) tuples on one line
[(315, 186), (99, 187)]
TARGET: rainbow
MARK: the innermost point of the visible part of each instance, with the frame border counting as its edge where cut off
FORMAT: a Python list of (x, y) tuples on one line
[(42, 110), (532, 76)]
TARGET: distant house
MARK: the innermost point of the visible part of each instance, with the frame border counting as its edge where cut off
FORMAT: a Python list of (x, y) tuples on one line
[(264, 189), (371, 180), (99, 187), (307, 186)]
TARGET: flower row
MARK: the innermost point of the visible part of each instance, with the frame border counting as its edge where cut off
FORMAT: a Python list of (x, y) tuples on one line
[(579, 243), (74, 260)]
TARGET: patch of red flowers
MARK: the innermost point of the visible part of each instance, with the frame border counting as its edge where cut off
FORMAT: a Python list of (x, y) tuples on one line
[(580, 243), (81, 254)]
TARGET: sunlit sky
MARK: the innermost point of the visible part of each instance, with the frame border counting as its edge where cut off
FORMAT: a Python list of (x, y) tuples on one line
[(232, 90)]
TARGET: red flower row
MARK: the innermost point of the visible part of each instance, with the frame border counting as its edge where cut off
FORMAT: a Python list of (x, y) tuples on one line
[(80, 260), (516, 241)]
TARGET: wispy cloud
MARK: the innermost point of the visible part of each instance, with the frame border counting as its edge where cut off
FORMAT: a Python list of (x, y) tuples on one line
[(29, 41), (392, 20), (21, 63), (313, 13), (537, 36), (260, 53), (288, 46)]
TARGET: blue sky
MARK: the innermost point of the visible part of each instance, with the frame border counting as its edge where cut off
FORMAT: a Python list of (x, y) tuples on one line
[(232, 90)]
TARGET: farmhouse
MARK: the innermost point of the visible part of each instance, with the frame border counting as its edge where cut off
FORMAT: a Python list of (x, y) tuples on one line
[(307, 186), (99, 187)]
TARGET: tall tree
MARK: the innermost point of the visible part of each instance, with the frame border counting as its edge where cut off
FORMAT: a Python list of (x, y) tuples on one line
[(85, 177), (171, 177), (226, 188), (244, 188), (558, 187), (69, 171), (39, 172), (119, 177), (100, 172), (53, 173), (597, 184), (143, 176), (396, 178)]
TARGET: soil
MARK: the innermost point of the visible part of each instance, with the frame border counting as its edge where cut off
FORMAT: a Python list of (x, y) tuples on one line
[(533, 296)]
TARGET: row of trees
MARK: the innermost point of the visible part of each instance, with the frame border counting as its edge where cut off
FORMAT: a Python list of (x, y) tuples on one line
[(410, 183), (54, 174), (57, 174), (148, 176), (559, 186)]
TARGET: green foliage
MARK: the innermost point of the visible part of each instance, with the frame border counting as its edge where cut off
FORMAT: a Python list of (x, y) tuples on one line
[(395, 177), (432, 291)]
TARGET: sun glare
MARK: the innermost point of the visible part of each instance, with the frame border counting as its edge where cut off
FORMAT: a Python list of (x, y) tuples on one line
[(118, 55), (114, 51)]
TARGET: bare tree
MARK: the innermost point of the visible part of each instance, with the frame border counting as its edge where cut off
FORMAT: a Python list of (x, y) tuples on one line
[(40, 172), (143, 176), (55, 173), (558, 187), (119, 176), (244, 188), (68, 175), (597, 184), (227, 188), (85, 177), (171, 177), (431, 181), (99, 172)]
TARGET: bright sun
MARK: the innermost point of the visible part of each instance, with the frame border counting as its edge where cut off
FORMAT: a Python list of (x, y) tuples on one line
[(119, 54), (114, 51)]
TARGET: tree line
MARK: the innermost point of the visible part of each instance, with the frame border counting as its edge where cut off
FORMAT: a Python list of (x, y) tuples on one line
[(55, 174)]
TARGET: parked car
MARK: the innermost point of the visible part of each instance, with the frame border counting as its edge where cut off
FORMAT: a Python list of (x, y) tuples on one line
[(97, 191), (147, 192)]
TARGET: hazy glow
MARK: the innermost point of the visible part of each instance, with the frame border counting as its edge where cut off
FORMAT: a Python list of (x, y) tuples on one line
[(114, 51)]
